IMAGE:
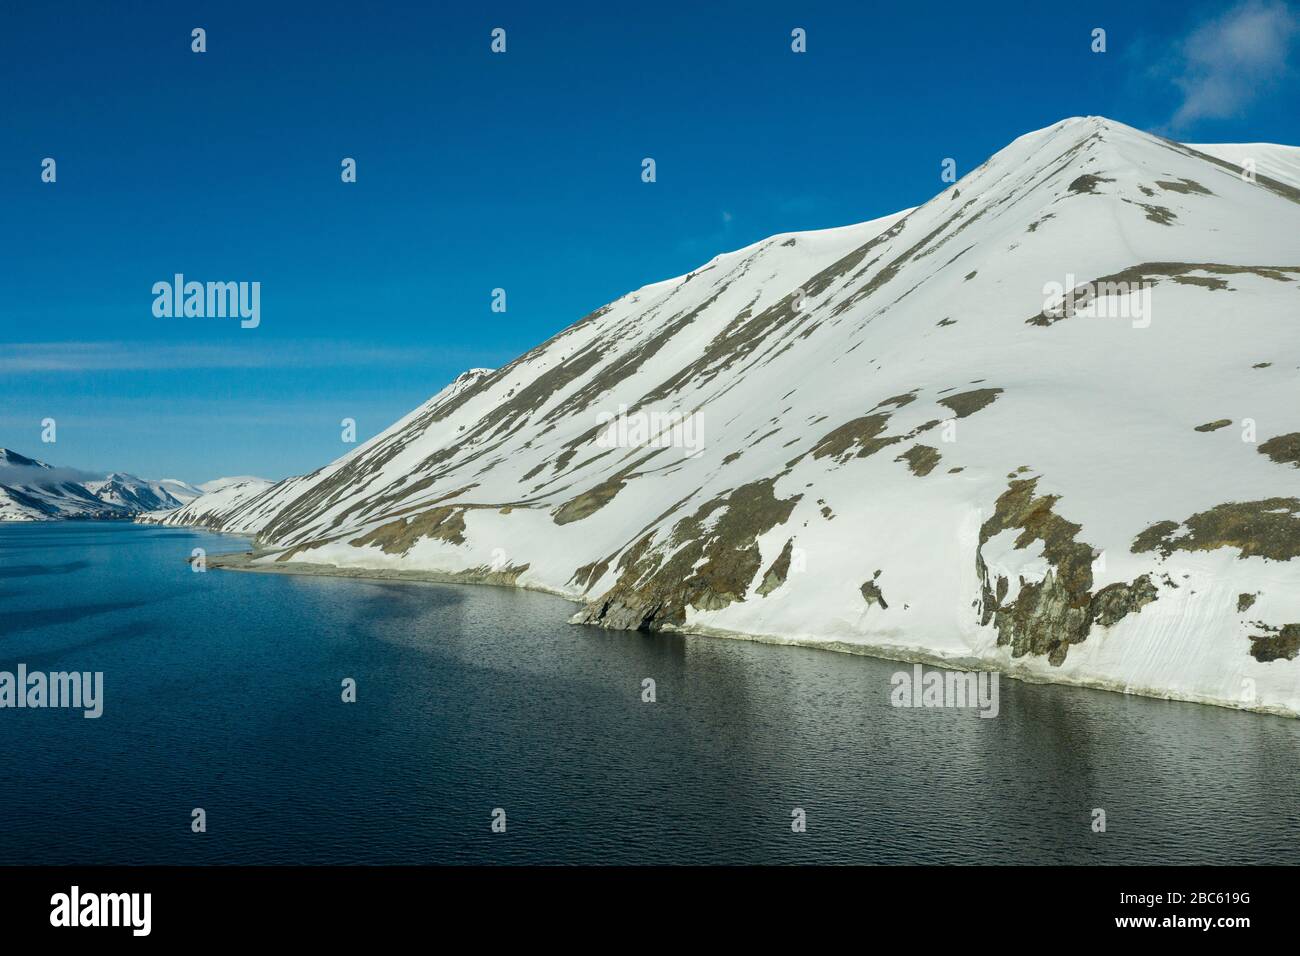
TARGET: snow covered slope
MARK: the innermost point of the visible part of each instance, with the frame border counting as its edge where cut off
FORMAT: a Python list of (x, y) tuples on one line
[(181, 491), (1280, 162), (217, 484), (1045, 423), (244, 505), (31, 490), (137, 494), (213, 508)]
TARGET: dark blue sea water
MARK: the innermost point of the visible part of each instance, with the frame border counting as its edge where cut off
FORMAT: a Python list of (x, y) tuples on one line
[(223, 691)]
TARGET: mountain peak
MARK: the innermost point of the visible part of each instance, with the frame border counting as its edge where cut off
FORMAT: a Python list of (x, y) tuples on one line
[(9, 457)]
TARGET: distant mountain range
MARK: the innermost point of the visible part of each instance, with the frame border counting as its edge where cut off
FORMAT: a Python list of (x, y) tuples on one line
[(32, 490)]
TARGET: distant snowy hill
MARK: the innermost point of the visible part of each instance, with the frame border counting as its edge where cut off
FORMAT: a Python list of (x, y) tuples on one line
[(137, 494), (1280, 162), (31, 490), (182, 491), (213, 508), (1045, 422), (217, 484)]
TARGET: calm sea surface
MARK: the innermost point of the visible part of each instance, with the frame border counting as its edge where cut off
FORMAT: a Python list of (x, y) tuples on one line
[(222, 690)]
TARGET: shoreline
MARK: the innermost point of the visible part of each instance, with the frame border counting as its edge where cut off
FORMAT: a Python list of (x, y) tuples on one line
[(243, 561)]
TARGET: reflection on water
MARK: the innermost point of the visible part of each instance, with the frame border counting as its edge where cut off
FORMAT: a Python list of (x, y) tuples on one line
[(223, 691), (31, 570)]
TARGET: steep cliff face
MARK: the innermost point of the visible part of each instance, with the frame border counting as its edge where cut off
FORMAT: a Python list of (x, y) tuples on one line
[(1045, 422)]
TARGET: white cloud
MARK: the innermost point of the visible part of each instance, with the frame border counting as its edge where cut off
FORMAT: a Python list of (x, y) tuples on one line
[(1227, 62), (36, 476), (36, 357)]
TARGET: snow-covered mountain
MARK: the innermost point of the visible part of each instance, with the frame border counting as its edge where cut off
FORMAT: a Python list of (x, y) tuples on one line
[(239, 505), (217, 484), (31, 490), (1045, 422), (137, 494), (181, 491), (213, 508), (1280, 162)]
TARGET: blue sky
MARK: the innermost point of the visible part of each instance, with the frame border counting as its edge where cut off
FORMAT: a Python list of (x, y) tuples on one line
[(478, 171)]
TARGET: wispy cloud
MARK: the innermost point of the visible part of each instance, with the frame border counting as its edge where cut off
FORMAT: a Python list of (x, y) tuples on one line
[(35, 476), (38, 357), (1226, 63)]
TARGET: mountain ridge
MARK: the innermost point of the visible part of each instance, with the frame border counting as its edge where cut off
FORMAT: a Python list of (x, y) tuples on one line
[(31, 490)]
